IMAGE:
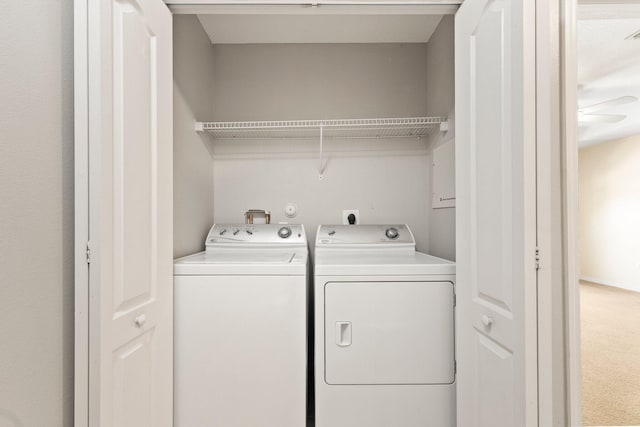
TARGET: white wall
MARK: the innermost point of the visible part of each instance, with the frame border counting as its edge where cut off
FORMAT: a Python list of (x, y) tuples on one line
[(192, 161), (36, 217), (387, 181), (609, 203), (440, 102)]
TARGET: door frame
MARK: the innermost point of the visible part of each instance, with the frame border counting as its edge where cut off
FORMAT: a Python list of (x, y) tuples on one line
[(552, 327), (570, 235), (81, 212), (328, 7)]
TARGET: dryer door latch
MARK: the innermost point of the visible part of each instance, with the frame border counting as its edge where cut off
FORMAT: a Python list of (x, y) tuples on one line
[(343, 334)]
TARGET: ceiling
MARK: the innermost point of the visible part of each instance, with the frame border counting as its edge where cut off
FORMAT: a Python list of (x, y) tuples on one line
[(235, 29), (608, 68)]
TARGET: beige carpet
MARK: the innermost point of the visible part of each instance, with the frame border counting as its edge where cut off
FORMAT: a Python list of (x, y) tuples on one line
[(610, 355)]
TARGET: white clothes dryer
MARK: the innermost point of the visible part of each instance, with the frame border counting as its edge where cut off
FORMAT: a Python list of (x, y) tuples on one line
[(241, 329), (384, 330)]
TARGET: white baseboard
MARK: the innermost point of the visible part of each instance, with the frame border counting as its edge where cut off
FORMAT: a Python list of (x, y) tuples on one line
[(610, 283)]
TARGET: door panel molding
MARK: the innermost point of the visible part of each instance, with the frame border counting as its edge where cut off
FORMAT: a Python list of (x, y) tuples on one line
[(496, 221), (124, 201)]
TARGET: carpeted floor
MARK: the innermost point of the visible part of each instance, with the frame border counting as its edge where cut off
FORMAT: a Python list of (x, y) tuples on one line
[(610, 355)]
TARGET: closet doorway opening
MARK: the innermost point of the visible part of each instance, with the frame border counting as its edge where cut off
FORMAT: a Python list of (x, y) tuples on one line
[(608, 184)]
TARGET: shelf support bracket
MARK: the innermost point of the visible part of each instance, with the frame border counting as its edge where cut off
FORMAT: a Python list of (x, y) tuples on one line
[(321, 167)]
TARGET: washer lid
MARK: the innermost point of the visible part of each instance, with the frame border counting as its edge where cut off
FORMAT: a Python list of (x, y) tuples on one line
[(246, 257), (243, 262)]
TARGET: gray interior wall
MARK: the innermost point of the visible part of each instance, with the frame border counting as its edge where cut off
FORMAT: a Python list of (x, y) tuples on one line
[(192, 163), (319, 81), (386, 180), (36, 217), (440, 102)]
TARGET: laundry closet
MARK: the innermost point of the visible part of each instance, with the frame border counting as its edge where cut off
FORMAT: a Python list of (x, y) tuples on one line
[(318, 114), (195, 113), (267, 69)]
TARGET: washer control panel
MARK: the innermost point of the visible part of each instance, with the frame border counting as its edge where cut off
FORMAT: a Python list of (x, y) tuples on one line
[(229, 234), (393, 234)]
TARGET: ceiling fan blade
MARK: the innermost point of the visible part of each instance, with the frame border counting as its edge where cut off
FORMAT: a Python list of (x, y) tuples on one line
[(608, 104), (600, 118)]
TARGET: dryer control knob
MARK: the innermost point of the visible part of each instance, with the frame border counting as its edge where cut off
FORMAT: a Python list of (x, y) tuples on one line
[(284, 232), (392, 233)]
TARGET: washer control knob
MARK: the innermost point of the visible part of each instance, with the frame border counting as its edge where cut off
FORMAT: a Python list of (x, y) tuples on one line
[(223, 231), (392, 233), (284, 232)]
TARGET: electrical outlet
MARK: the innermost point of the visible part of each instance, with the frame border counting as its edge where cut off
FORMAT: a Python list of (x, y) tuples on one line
[(347, 212)]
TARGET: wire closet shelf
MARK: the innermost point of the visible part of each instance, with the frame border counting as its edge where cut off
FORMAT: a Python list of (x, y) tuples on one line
[(413, 127)]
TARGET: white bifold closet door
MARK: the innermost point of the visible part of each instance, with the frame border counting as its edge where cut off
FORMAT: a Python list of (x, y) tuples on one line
[(496, 213), (130, 111)]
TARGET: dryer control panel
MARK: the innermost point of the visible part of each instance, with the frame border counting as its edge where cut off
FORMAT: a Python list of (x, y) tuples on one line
[(364, 235), (256, 234)]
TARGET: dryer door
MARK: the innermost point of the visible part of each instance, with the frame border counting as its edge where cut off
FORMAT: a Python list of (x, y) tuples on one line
[(389, 333)]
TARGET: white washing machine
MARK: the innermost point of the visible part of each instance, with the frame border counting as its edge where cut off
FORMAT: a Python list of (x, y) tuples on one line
[(384, 330), (241, 329)]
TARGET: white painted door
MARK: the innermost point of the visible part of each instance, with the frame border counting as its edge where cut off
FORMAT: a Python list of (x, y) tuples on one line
[(130, 213), (496, 223)]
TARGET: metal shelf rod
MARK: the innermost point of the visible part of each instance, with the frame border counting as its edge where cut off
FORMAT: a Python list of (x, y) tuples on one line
[(321, 170)]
